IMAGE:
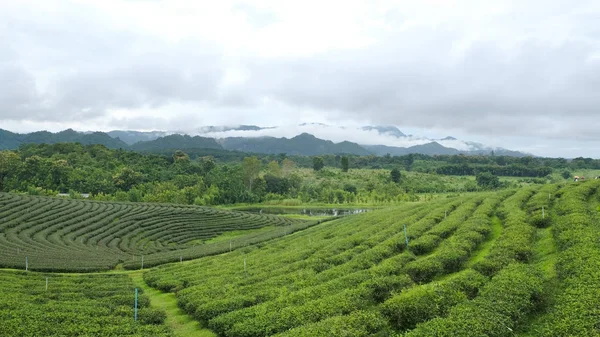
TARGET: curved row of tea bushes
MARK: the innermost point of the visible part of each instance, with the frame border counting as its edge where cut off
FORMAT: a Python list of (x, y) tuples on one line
[(504, 302), (357, 324), (422, 303), (323, 274), (515, 244), (56, 234), (454, 252), (577, 231)]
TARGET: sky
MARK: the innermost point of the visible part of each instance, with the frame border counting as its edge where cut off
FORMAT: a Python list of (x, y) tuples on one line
[(523, 75)]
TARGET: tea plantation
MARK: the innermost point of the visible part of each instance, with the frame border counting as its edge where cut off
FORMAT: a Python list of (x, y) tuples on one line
[(483, 265), (54, 234), (84, 305), (522, 262)]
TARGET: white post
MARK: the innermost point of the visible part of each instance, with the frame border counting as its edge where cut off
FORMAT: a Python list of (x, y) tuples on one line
[(244, 265), (142, 261), (543, 214), (46, 284), (26, 263)]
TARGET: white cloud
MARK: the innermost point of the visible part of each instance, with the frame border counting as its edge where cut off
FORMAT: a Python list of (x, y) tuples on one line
[(492, 71)]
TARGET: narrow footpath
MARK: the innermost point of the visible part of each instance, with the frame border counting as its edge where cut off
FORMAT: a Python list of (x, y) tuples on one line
[(182, 324), (484, 248)]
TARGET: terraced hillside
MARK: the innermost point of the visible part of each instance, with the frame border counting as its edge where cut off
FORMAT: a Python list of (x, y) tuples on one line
[(480, 265), (35, 304), (55, 234)]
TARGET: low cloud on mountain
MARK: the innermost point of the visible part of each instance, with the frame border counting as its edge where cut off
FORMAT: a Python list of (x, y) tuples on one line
[(521, 75)]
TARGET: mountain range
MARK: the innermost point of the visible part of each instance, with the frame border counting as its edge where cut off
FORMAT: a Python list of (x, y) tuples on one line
[(253, 141)]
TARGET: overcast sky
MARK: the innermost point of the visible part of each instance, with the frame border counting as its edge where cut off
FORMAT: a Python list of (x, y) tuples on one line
[(524, 75)]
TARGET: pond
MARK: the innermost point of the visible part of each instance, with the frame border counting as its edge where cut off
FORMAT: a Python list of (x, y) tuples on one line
[(304, 211)]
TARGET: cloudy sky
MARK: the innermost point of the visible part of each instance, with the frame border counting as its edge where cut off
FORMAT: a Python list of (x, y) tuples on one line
[(524, 75)]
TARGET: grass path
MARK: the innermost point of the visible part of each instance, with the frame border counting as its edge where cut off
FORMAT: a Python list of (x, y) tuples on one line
[(544, 258), (485, 247), (182, 324)]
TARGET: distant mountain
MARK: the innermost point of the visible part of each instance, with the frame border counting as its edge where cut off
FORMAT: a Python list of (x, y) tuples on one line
[(303, 144), (176, 142), (255, 141), (431, 149), (9, 140), (386, 129), (132, 137)]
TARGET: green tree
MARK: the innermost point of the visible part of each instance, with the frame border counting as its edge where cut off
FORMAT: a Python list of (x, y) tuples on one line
[(566, 174), (274, 169), (345, 164), (181, 157), (395, 175), (287, 166), (126, 178), (318, 163), (9, 165), (251, 168), (208, 163), (487, 180)]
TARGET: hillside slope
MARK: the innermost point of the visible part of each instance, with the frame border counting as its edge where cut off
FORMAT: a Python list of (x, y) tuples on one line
[(478, 265), (78, 235), (304, 144), (10, 140)]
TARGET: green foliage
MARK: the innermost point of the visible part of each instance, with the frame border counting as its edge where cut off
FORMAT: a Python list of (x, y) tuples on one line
[(82, 235), (74, 305), (356, 324), (577, 234), (318, 163), (251, 168), (515, 244), (395, 175), (345, 164), (505, 301), (566, 174), (422, 303), (487, 180), (350, 276)]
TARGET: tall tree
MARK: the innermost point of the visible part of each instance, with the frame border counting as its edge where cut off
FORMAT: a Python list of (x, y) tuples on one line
[(318, 163), (9, 163), (126, 178), (274, 169), (345, 164), (395, 175), (251, 168), (287, 166)]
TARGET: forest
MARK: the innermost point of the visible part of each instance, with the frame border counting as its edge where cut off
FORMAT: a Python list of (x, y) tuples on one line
[(197, 177)]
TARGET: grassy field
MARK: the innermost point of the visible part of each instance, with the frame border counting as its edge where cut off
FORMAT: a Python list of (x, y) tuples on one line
[(523, 262)]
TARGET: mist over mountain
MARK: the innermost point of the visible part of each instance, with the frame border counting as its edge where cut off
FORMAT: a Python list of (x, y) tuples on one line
[(304, 139)]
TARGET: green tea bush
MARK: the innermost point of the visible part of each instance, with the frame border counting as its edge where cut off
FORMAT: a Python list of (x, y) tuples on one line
[(504, 302)]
